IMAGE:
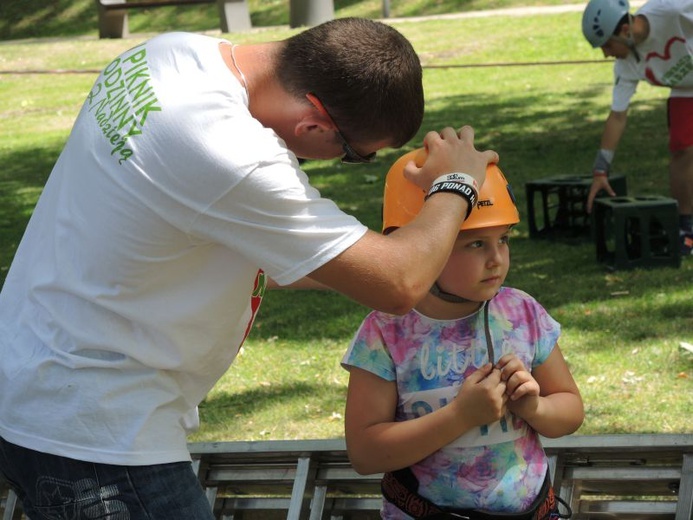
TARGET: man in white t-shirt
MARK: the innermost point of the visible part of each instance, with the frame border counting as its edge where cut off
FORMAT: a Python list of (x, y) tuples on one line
[(655, 45), (178, 195)]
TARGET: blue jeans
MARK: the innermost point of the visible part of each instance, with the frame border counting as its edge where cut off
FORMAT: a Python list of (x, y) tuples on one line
[(59, 488)]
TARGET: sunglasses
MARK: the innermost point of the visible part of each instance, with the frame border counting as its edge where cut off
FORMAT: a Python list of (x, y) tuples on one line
[(351, 156)]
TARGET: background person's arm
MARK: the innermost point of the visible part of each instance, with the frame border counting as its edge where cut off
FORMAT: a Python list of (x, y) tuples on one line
[(613, 131)]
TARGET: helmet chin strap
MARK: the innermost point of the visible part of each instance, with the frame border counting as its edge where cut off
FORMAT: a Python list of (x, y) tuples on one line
[(631, 46), (435, 290), (453, 298)]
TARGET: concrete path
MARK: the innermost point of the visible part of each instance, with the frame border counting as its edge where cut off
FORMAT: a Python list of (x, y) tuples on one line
[(510, 11)]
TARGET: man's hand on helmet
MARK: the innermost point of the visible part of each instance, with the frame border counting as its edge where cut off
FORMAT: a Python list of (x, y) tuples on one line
[(449, 151)]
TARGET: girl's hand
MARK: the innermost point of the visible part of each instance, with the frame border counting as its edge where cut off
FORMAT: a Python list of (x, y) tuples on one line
[(521, 388), (547, 398), (482, 397), (519, 381)]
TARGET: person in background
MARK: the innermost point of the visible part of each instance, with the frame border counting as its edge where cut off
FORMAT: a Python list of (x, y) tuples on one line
[(177, 195), (449, 399), (654, 45)]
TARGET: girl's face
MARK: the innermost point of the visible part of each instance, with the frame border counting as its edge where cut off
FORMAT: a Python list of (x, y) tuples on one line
[(478, 264)]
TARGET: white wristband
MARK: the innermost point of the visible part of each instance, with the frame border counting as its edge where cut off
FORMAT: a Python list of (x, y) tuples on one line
[(607, 154), (462, 178), (466, 191), (602, 163)]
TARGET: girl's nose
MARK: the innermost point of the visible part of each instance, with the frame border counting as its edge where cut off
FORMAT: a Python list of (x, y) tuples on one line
[(495, 256)]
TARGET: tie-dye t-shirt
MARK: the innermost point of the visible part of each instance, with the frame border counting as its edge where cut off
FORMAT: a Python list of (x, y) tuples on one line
[(498, 467)]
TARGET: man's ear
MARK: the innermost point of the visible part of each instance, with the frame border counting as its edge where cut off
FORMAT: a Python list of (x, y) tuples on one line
[(312, 122)]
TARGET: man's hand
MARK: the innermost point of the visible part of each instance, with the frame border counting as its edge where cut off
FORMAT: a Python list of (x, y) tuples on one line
[(450, 152)]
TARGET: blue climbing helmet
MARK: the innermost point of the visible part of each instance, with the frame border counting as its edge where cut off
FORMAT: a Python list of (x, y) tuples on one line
[(600, 19)]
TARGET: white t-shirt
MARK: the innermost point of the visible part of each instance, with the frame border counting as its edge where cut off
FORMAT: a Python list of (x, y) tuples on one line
[(666, 56), (143, 264)]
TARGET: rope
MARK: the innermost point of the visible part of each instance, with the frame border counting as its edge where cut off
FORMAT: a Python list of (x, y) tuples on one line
[(445, 66)]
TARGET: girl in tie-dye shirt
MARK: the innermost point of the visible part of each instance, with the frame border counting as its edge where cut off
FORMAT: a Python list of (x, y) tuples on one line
[(460, 388)]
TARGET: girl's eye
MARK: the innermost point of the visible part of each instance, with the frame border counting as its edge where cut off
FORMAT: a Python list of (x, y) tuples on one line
[(505, 239), (476, 244)]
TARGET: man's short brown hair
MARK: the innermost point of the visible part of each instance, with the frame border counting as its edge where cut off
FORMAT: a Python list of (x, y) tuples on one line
[(366, 74)]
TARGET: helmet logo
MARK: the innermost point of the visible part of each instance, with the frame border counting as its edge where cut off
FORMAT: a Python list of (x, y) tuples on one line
[(595, 24), (484, 203), (601, 18)]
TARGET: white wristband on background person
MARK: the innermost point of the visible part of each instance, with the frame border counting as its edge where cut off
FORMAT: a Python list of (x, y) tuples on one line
[(602, 163)]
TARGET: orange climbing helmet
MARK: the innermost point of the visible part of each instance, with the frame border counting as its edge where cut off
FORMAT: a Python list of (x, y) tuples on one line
[(403, 200)]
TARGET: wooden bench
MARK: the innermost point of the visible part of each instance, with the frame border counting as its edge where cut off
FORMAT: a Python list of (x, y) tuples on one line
[(113, 14), (629, 477)]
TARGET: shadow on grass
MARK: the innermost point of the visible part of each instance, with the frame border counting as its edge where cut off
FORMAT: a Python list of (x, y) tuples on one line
[(72, 18), (68, 18), (38, 18)]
